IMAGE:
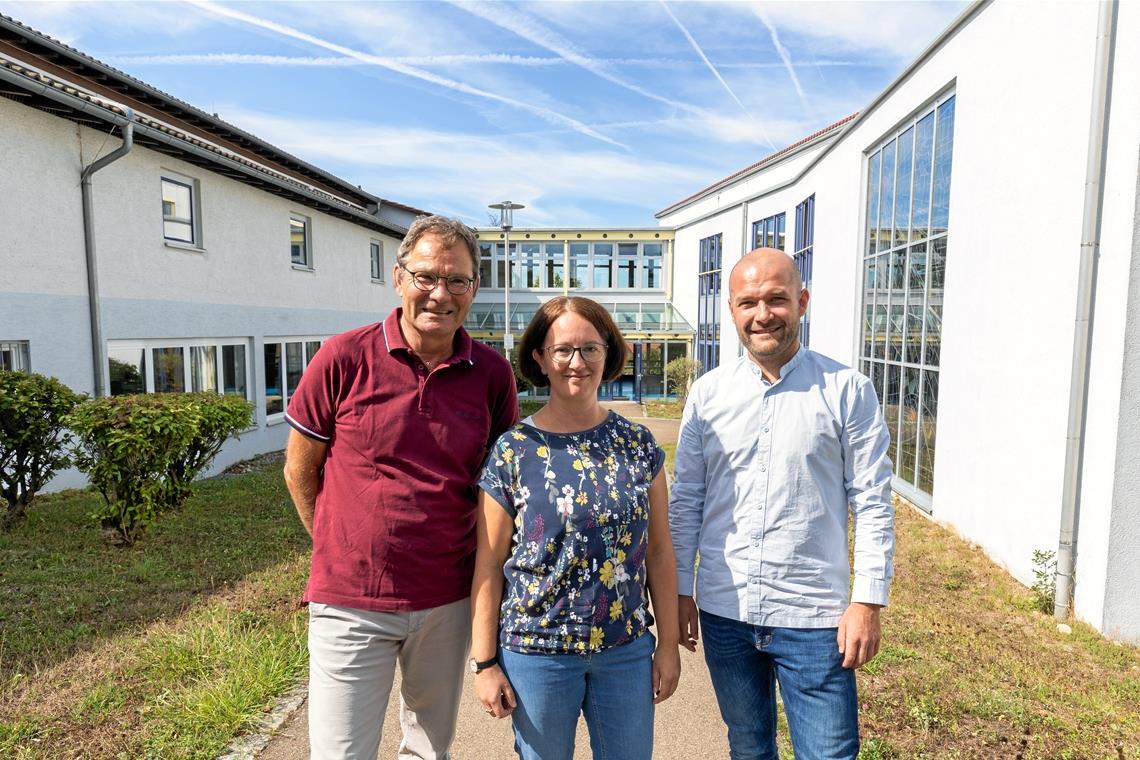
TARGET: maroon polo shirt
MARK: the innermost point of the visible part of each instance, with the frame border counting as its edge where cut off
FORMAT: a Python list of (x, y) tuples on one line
[(394, 526)]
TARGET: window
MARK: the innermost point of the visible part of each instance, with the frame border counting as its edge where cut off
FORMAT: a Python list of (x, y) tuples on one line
[(708, 302), (579, 265), (554, 253), (485, 263), (376, 254), (166, 366), (651, 273), (904, 265), (14, 356), (805, 237), (285, 363), (531, 265), (769, 232), (603, 264), (179, 209), (300, 244)]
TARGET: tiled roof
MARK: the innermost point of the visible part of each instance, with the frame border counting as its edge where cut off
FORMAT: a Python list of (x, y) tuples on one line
[(759, 164)]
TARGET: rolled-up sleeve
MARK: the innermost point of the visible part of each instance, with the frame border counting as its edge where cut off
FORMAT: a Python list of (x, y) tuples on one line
[(687, 501), (867, 479)]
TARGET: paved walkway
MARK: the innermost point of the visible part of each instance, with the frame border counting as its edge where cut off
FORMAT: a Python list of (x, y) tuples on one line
[(687, 726)]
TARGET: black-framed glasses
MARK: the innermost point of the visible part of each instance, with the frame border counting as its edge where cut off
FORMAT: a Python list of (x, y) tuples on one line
[(426, 281), (563, 353)]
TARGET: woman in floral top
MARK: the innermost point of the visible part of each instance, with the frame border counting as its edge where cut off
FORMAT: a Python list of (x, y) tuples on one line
[(572, 533)]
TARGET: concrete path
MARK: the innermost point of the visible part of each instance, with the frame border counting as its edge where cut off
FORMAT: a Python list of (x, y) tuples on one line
[(687, 726)]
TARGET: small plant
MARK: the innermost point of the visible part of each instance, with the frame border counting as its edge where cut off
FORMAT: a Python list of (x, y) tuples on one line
[(33, 437), (1045, 580), (681, 372), (142, 452)]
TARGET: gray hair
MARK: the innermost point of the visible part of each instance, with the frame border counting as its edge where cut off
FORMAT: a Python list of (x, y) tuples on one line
[(451, 230)]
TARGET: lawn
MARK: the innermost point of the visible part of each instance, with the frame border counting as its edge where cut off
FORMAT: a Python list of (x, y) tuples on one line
[(167, 649), (172, 647)]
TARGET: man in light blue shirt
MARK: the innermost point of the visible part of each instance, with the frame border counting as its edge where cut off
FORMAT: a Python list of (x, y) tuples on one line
[(775, 447)]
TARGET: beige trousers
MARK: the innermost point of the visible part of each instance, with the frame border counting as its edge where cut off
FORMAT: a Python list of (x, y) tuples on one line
[(352, 662)]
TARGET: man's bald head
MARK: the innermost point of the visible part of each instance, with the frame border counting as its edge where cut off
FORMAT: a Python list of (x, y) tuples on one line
[(767, 263), (767, 298)]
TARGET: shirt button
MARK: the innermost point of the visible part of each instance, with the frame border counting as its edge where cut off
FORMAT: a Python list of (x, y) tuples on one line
[(763, 468), (753, 581), (765, 430)]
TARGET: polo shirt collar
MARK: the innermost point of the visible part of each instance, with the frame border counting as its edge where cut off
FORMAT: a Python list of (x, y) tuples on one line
[(394, 340)]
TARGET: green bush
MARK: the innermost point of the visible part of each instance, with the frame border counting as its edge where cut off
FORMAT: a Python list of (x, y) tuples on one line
[(141, 452), (681, 372), (33, 437)]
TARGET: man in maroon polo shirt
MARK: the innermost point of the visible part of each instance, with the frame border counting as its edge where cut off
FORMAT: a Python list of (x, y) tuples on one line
[(391, 423)]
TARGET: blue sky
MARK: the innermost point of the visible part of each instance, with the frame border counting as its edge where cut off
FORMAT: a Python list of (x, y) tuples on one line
[(590, 113)]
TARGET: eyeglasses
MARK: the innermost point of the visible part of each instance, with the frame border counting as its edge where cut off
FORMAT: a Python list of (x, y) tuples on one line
[(562, 353), (426, 281)]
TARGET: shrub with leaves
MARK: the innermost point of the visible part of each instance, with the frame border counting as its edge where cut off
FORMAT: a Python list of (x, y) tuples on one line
[(141, 452), (33, 437), (681, 372), (1044, 580), (217, 418)]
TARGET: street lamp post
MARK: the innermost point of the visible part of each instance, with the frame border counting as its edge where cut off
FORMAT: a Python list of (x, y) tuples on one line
[(506, 221)]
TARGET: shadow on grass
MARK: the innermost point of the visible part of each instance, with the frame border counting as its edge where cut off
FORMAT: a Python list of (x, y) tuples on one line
[(63, 588)]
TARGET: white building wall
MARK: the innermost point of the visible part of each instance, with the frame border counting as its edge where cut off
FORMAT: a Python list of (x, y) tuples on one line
[(1015, 224), (239, 284), (1108, 547)]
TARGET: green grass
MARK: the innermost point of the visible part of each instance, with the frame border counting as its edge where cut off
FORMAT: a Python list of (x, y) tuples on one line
[(165, 649), (171, 648), (667, 409), (527, 407)]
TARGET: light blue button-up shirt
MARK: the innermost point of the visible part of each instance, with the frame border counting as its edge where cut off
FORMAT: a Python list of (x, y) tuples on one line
[(764, 476)]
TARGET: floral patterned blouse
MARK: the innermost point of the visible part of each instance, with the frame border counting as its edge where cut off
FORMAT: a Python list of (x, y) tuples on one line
[(575, 578)]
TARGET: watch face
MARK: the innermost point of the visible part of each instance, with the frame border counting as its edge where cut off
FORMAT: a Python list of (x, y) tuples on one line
[(474, 666)]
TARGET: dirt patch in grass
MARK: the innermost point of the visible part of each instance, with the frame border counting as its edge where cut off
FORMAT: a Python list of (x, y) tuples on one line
[(668, 409), (968, 670)]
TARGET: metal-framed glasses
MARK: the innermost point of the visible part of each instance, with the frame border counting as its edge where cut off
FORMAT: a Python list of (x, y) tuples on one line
[(426, 281), (563, 353)]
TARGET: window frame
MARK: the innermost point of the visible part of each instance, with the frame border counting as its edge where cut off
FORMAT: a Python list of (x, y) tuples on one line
[(21, 350), (286, 394), (306, 223), (149, 345), (195, 220), (376, 259)]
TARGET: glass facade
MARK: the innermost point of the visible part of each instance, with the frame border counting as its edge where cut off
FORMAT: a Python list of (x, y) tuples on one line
[(708, 302), (802, 254), (156, 366), (904, 265), (769, 233)]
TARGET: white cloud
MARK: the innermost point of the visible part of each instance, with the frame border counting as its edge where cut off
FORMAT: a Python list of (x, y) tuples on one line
[(464, 172)]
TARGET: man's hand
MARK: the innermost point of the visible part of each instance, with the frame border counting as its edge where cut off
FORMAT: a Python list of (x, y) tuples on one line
[(689, 622), (859, 634)]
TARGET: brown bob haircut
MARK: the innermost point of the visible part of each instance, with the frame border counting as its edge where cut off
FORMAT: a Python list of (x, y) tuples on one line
[(594, 313)]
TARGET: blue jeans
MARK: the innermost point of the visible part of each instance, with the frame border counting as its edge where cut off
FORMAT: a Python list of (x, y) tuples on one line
[(613, 688), (746, 661)]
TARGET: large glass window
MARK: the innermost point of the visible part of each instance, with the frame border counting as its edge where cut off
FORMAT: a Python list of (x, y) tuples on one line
[(300, 245), (769, 232), (708, 302), (579, 265), (178, 210), (626, 267), (804, 245), (652, 272), (161, 366), (285, 363), (904, 265), (531, 265), (14, 356), (376, 256), (485, 265), (554, 256), (603, 264)]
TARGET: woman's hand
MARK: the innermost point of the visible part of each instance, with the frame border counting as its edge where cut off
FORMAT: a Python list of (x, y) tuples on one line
[(666, 672), (494, 692)]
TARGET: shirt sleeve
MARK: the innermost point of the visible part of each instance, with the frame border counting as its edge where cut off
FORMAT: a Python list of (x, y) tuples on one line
[(498, 475), (687, 501), (313, 407), (867, 479)]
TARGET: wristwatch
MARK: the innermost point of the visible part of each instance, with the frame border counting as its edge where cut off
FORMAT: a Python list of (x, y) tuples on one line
[(478, 666)]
